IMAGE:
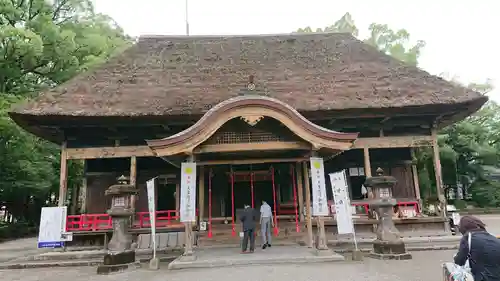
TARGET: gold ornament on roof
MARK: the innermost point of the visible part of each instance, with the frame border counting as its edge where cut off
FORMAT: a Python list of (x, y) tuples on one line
[(252, 120)]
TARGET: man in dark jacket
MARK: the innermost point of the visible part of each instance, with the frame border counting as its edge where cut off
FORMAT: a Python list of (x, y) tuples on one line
[(248, 219), (484, 252)]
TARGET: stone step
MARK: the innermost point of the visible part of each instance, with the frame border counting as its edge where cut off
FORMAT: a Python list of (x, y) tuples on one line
[(73, 262)]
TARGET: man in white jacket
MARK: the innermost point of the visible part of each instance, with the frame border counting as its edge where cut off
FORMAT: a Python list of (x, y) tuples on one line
[(266, 222)]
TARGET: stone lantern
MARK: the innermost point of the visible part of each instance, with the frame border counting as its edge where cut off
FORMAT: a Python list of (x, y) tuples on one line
[(388, 244), (120, 254)]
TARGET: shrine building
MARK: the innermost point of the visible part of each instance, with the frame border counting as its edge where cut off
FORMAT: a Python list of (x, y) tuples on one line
[(250, 111)]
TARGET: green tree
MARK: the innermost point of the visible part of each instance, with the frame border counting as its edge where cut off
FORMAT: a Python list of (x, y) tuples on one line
[(42, 44), (394, 43)]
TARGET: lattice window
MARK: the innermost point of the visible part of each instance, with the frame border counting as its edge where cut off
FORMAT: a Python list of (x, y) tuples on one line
[(243, 137)]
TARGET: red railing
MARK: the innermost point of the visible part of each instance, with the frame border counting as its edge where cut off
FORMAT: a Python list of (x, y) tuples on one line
[(163, 218), (99, 222), (88, 222)]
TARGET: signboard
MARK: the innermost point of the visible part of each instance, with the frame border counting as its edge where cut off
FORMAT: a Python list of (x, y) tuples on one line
[(52, 232), (188, 192), (150, 186), (319, 200), (342, 203)]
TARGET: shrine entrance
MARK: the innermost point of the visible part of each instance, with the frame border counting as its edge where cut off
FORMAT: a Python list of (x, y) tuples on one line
[(251, 148)]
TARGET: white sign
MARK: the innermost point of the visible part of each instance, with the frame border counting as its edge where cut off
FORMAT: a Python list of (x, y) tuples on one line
[(203, 226), (188, 192), (52, 232), (150, 186), (320, 203), (342, 203)]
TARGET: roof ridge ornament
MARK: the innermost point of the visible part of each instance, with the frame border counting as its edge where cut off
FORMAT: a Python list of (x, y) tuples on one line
[(252, 120)]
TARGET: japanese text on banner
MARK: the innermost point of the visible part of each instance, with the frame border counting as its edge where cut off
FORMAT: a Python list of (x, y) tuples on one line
[(188, 192), (320, 204), (342, 203)]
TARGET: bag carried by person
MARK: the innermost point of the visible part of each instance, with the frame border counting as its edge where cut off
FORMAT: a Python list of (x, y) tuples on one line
[(463, 273)]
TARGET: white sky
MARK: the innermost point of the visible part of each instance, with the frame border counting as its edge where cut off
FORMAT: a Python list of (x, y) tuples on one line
[(460, 34)]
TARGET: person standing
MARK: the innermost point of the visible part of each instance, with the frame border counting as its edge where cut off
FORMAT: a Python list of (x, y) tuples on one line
[(248, 219), (266, 222), (480, 248)]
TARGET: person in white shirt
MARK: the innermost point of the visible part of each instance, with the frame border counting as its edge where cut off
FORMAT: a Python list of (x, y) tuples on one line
[(266, 222)]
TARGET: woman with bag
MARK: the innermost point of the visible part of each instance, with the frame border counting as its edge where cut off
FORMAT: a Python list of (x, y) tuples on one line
[(480, 249)]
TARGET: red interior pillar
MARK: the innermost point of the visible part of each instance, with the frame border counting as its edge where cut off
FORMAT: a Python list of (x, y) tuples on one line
[(294, 186), (251, 189), (210, 203), (233, 231), (275, 205)]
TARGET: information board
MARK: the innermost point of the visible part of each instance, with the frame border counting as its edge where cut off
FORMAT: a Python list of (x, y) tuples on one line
[(52, 232)]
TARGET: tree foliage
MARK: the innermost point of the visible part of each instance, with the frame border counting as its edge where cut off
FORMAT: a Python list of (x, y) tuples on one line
[(395, 43), (42, 44)]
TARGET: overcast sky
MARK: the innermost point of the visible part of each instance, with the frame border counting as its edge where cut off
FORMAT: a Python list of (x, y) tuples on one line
[(461, 36)]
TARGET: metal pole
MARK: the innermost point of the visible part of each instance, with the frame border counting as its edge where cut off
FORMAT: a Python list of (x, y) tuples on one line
[(187, 18)]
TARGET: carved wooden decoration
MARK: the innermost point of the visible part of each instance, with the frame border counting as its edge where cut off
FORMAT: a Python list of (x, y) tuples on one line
[(252, 120)]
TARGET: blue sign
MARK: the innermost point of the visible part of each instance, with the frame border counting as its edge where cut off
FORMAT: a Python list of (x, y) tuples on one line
[(59, 244)]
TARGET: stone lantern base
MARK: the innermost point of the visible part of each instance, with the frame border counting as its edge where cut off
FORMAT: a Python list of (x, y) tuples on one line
[(118, 262), (390, 250)]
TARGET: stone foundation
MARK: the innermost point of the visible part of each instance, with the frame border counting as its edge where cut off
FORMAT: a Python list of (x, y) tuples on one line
[(390, 250), (118, 262)]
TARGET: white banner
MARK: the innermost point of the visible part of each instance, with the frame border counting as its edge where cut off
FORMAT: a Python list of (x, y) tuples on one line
[(343, 212), (319, 200), (52, 233), (150, 185), (188, 192)]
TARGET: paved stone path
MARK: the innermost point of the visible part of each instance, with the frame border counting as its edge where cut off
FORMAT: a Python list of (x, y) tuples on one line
[(424, 266), (18, 248)]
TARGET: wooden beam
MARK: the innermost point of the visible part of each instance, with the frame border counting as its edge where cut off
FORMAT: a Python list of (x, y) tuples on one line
[(438, 173), (109, 152), (133, 179), (393, 142), (414, 171), (250, 161), (63, 176), (368, 165), (83, 190), (236, 147), (308, 205), (300, 190)]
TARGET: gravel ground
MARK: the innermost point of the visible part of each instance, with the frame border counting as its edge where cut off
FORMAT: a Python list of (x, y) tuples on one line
[(423, 267)]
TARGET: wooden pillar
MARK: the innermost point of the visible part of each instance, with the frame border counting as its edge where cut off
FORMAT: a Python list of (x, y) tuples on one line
[(414, 171), (300, 191), (437, 171), (83, 190), (133, 179), (177, 199), (201, 195), (63, 176), (308, 205), (188, 226), (368, 167)]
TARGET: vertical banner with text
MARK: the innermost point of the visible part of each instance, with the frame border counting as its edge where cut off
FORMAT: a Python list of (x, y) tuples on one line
[(150, 185), (319, 200), (188, 192), (342, 201)]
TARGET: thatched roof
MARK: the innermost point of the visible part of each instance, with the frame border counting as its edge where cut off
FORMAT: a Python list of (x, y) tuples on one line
[(165, 75)]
